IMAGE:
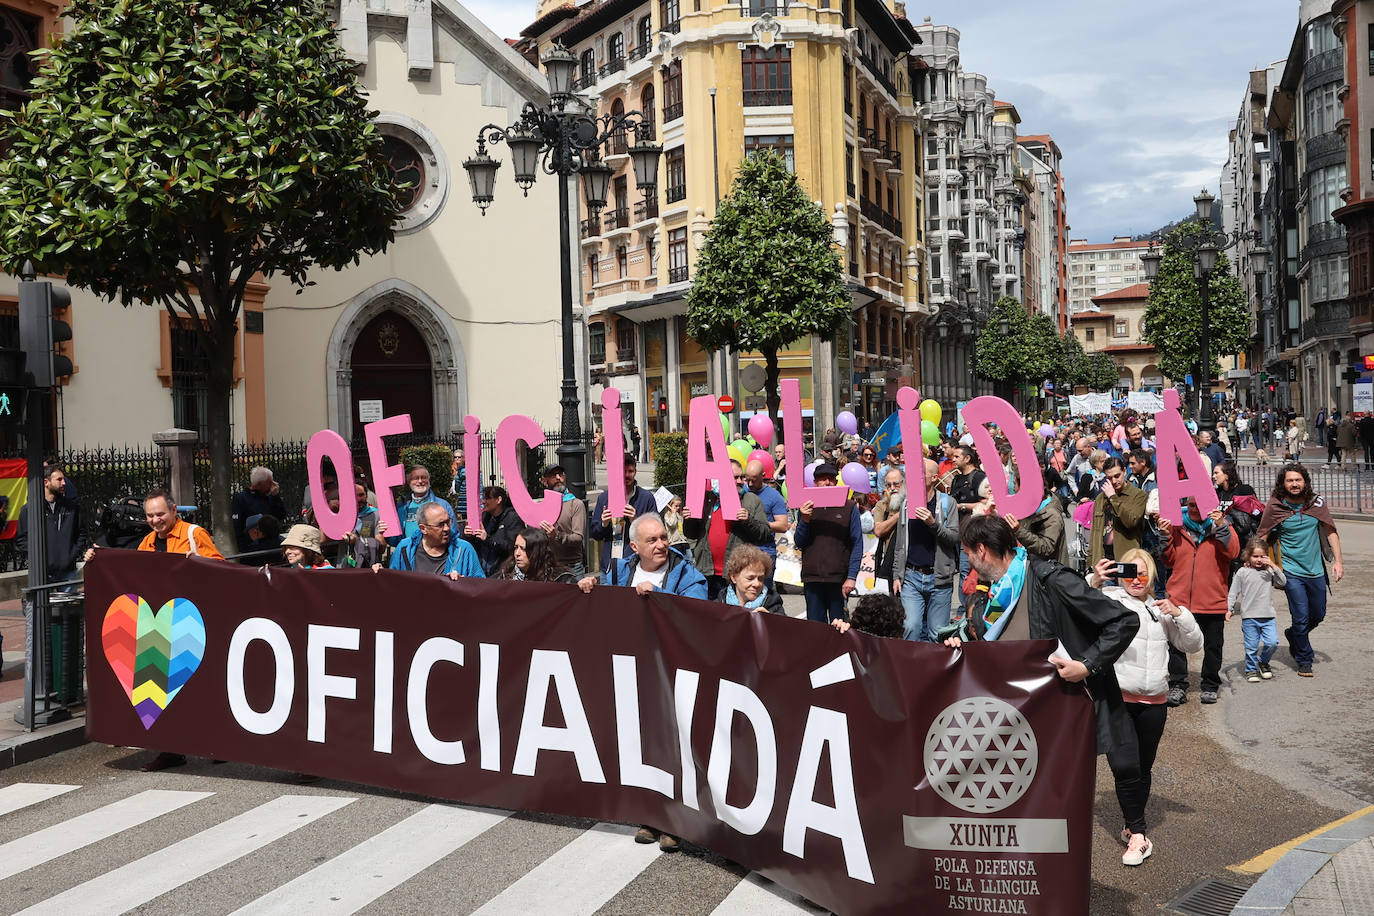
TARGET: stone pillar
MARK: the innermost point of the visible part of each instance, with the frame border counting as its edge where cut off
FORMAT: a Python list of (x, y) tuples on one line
[(180, 446)]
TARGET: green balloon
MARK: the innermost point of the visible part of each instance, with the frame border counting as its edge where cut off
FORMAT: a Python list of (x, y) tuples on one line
[(725, 425), (930, 433)]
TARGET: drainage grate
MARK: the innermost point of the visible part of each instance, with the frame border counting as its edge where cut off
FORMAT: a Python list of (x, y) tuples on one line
[(1208, 897)]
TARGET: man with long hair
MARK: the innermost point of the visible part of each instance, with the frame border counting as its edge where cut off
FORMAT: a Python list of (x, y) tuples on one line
[(1300, 523)]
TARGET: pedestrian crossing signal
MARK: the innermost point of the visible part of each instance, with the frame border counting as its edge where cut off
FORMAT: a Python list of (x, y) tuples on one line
[(12, 389)]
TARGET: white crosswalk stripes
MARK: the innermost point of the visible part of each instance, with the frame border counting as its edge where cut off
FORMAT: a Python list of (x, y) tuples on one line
[(580, 877), (351, 881), (757, 896), (153, 875), (23, 794), (387, 854), (58, 840)]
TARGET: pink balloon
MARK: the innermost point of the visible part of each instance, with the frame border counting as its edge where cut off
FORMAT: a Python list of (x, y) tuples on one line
[(761, 428), (765, 459), (847, 423), (855, 476)]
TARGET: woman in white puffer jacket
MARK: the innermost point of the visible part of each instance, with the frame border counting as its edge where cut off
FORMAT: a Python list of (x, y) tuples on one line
[(1143, 672)]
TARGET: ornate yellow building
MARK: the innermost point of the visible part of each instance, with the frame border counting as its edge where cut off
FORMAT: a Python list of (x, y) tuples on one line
[(826, 87)]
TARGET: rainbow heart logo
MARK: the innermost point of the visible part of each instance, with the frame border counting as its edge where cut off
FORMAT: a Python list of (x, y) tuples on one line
[(152, 654)]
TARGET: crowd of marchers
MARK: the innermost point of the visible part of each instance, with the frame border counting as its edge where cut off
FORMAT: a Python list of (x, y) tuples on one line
[(1126, 595)]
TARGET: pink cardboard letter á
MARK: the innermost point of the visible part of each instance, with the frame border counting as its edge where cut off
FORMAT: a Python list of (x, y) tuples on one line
[(532, 511), (613, 441), (978, 414), (384, 476), (798, 493), (707, 458), (472, 450), (1174, 445), (909, 423), (328, 444)]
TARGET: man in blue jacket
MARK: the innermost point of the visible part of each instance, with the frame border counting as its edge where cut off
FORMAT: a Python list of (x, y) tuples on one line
[(434, 549), (605, 527), (653, 565)]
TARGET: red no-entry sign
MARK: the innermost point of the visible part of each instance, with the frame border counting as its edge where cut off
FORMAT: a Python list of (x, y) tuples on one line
[(725, 403)]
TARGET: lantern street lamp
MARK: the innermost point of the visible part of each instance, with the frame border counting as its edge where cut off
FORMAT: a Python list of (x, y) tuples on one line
[(562, 140), (1204, 250)]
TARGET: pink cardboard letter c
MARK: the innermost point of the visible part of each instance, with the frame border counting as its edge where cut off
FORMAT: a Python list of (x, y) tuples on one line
[(328, 444), (385, 476), (982, 411), (532, 512)]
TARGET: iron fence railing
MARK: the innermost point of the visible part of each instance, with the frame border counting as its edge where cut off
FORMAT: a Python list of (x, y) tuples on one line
[(1345, 488)]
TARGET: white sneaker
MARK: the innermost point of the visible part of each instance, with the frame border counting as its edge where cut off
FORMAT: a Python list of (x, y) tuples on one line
[(1138, 850)]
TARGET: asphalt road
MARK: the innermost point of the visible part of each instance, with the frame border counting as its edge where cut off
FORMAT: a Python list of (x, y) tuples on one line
[(1268, 763)]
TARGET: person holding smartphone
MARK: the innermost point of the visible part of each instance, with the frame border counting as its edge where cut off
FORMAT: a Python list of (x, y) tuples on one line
[(1143, 673), (1199, 554)]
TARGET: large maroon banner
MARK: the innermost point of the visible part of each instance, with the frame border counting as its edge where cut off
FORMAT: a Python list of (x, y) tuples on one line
[(870, 775)]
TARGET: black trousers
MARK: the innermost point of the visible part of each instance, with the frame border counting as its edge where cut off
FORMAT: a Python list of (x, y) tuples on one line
[(1131, 763), (1213, 628)]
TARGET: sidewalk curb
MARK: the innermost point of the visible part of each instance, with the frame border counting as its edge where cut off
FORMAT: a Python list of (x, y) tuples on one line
[(1276, 889), (48, 740)]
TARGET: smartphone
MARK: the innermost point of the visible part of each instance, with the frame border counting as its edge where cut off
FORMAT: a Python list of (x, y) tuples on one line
[(1126, 571)]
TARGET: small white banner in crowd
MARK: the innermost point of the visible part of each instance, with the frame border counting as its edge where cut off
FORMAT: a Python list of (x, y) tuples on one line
[(1364, 396), (1144, 401), (1087, 404)]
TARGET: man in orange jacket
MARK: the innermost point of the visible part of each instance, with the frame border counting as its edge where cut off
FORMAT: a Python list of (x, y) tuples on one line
[(1199, 555)]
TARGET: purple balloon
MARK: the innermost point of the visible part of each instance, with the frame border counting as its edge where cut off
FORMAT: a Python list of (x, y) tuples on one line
[(1046, 431), (809, 473), (761, 428), (855, 476), (847, 423)]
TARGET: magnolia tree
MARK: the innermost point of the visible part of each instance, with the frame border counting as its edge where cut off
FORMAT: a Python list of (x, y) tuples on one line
[(768, 274), (173, 151)]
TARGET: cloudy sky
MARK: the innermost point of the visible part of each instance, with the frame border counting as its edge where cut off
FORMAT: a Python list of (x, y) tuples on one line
[(1139, 97)]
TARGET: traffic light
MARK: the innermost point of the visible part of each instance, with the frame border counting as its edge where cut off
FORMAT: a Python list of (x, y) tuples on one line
[(42, 328), (12, 390), (1271, 387), (662, 405)]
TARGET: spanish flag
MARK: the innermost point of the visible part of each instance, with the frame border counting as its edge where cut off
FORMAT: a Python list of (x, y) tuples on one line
[(14, 492)]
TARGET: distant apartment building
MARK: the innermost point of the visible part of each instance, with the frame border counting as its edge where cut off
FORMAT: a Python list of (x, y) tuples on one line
[(1115, 325), (1053, 223), (1354, 26), (1241, 204), (1309, 184), (1098, 269), (825, 85), (976, 237)]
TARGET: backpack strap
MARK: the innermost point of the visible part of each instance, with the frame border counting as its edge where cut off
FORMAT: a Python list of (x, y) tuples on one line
[(191, 530)]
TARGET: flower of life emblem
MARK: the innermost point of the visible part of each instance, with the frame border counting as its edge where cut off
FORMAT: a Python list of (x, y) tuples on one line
[(980, 755)]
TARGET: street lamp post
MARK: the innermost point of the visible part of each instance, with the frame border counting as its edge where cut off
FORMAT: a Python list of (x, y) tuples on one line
[(568, 141), (1204, 250)]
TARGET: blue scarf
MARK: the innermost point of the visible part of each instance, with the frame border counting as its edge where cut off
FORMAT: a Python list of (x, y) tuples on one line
[(732, 598), (1199, 530), (1004, 594)]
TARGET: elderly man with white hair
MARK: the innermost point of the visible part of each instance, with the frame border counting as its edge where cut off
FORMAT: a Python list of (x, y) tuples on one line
[(262, 497), (653, 565)]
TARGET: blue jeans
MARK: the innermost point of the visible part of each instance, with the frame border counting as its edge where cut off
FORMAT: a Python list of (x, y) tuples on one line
[(926, 605), (1261, 640), (1307, 604), (824, 601)]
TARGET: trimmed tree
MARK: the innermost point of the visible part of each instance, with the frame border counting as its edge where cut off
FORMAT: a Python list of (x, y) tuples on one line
[(1029, 353), (1100, 372), (1173, 316), (173, 151), (768, 274)]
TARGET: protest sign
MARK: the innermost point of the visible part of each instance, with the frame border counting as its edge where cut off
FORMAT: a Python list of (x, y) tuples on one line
[(1144, 401), (869, 775)]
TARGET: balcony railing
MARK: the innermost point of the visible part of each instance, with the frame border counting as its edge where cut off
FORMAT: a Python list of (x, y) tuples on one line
[(849, 187), (614, 65), (677, 274), (646, 209), (674, 27), (675, 192), (585, 81), (617, 219), (757, 98), (618, 144), (641, 51), (590, 227), (759, 7), (672, 112), (883, 80)]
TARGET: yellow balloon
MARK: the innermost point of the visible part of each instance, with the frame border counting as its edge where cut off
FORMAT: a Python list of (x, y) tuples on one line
[(738, 454), (1036, 427), (930, 410)]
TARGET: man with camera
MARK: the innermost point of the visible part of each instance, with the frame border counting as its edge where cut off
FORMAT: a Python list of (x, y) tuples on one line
[(1118, 515)]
